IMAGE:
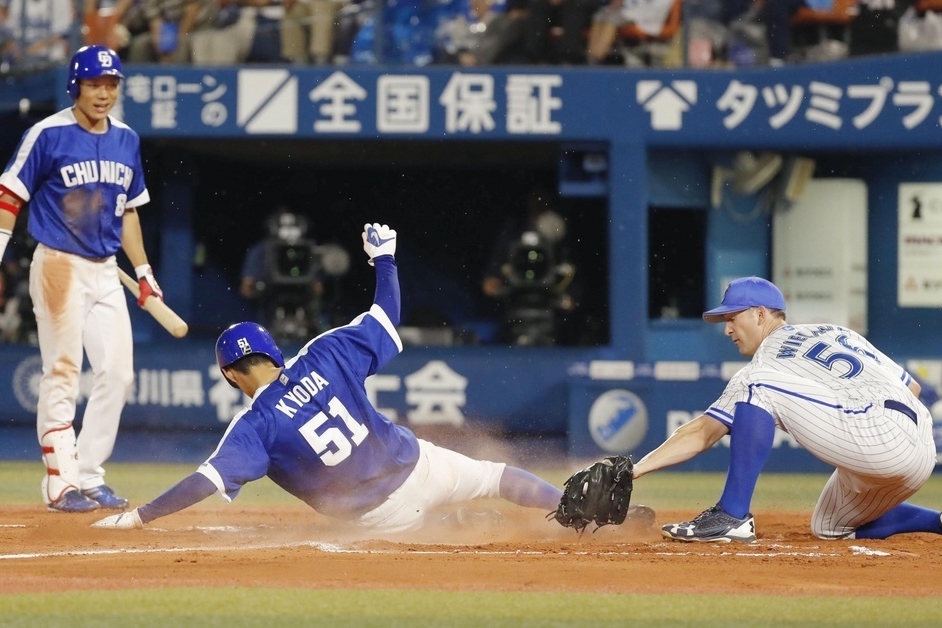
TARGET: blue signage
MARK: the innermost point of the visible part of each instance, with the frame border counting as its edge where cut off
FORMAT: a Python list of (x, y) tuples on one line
[(873, 102)]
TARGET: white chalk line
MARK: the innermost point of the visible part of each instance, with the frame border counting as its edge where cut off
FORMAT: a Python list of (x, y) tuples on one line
[(165, 550), (330, 548)]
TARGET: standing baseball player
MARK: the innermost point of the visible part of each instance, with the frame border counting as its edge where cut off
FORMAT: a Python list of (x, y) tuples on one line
[(311, 428), (838, 396), (80, 171)]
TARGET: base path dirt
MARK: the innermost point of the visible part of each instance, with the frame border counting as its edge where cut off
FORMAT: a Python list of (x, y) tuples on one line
[(229, 546)]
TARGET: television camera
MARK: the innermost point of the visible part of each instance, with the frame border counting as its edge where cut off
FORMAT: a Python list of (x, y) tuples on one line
[(537, 279), (291, 288)]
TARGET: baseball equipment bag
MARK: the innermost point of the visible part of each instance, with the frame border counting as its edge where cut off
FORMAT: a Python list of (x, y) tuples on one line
[(598, 494)]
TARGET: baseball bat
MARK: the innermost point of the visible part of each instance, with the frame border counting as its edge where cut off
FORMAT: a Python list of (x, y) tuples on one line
[(167, 318)]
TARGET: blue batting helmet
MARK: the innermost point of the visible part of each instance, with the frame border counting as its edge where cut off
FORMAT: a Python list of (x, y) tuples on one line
[(241, 339), (91, 62)]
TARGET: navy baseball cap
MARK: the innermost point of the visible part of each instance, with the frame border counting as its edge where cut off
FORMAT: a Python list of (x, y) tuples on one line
[(744, 293)]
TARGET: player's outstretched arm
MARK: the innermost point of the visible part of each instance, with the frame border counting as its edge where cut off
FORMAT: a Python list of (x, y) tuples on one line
[(687, 441), (379, 242), (190, 490)]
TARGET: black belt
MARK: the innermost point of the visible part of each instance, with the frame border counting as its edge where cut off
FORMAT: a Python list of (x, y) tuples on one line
[(892, 404)]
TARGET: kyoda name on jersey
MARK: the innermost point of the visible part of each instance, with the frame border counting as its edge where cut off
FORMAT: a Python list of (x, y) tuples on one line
[(300, 393)]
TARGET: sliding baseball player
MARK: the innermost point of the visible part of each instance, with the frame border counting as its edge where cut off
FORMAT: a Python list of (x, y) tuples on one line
[(312, 429)]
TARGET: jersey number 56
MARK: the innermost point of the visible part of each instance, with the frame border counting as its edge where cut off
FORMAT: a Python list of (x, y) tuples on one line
[(321, 441)]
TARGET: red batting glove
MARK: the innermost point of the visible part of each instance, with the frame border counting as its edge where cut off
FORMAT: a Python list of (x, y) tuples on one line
[(147, 283)]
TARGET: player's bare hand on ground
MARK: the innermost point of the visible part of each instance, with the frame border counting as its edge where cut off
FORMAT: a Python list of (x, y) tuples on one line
[(122, 521), (378, 240)]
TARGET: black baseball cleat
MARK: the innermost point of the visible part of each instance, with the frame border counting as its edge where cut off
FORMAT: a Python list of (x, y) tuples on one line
[(106, 498), (713, 526), (73, 501)]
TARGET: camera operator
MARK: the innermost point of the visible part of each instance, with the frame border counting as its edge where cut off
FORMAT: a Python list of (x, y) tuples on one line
[(530, 274), (283, 275)]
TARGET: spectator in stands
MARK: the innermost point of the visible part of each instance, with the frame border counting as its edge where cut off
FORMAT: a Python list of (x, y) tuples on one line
[(557, 30), (103, 23), (608, 20), (307, 30), (266, 44), (113, 23), (171, 25), (38, 31), (461, 32), (235, 29), (6, 41), (503, 40), (777, 17)]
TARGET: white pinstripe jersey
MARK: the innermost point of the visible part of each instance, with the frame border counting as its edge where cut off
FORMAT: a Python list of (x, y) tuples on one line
[(828, 387), (801, 359)]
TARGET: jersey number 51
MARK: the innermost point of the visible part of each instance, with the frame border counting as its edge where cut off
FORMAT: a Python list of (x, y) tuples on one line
[(320, 441)]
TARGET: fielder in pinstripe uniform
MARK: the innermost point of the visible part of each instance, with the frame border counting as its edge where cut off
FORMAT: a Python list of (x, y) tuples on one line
[(838, 396)]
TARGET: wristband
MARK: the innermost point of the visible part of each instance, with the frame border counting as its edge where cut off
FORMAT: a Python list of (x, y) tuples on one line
[(4, 240), (143, 270)]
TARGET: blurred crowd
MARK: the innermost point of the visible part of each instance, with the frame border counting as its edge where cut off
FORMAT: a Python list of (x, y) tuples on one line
[(636, 33)]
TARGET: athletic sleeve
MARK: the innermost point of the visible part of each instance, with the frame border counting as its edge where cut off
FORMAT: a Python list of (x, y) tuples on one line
[(872, 357), (387, 297), (737, 389), (240, 458), (27, 166), (190, 490), (137, 192), (885, 361), (370, 340)]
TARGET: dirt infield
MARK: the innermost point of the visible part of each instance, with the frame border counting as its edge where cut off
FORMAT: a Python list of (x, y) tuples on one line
[(294, 547)]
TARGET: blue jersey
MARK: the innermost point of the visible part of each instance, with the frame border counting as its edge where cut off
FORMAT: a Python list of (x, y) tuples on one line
[(77, 183), (314, 432)]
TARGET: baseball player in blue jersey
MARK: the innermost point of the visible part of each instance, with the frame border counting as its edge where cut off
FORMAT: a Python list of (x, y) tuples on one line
[(838, 396), (311, 428), (80, 171)]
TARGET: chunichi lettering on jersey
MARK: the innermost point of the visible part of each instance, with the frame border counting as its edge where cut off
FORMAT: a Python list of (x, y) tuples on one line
[(300, 392), (83, 172)]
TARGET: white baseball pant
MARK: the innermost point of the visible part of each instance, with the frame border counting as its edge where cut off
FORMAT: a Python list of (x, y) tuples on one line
[(80, 306), (440, 477), (882, 455)]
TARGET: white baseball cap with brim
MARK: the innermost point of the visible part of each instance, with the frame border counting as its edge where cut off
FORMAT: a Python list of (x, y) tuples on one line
[(744, 293)]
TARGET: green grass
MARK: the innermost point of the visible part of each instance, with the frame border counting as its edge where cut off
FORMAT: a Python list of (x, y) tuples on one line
[(291, 607)]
